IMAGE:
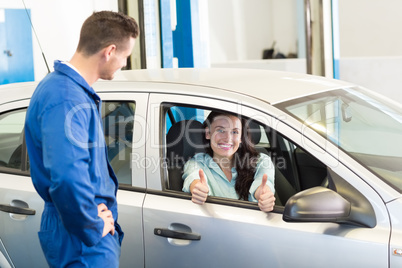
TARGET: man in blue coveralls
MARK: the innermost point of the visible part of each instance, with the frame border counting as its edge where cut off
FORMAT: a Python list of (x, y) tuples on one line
[(67, 151)]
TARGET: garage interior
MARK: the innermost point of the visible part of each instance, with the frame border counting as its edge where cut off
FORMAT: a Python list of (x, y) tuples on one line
[(326, 137), (355, 41)]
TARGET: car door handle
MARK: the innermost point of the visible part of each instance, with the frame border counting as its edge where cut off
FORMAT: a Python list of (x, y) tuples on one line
[(176, 235), (17, 210)]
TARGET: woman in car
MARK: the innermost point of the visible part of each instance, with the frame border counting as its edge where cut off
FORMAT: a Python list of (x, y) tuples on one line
[(231, 167)]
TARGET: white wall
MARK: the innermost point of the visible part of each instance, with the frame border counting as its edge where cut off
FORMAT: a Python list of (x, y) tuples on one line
[(371, 45), (369, 38), (57, 24), (370, 28), (241, 29), (381, 74)]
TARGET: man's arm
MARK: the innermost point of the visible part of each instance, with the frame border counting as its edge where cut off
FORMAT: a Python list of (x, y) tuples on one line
[(66, 157)]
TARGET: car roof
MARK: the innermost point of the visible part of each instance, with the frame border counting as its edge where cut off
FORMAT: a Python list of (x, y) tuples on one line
[(16, 91), (270, 86)]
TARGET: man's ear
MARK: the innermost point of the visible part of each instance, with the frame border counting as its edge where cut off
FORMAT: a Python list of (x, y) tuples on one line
[(109, 51), (207, 133)]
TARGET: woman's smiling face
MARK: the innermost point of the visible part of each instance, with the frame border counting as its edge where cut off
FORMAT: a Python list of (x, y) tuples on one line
[(225, 136)]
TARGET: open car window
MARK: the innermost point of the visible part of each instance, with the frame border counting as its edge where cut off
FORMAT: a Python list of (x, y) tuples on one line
[(295, 169)]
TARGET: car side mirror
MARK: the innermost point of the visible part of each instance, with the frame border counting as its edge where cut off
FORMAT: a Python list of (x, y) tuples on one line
[(317, 204)]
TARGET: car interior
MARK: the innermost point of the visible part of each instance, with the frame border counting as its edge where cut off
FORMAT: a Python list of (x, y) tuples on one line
[(295, 169)]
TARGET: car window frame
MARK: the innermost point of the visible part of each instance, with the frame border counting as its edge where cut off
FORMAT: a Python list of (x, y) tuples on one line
[(164, 107), (156, 181), (140, 99)]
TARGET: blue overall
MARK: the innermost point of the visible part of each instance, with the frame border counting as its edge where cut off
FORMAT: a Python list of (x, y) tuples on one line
[(70, 171)]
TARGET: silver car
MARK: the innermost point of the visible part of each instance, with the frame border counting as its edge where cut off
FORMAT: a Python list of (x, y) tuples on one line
[(337, 150)]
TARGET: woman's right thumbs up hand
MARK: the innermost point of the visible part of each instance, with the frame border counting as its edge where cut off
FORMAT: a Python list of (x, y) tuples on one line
[(199, 189)]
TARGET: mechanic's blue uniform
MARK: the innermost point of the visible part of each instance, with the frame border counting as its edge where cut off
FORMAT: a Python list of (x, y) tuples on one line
[(70, 171)]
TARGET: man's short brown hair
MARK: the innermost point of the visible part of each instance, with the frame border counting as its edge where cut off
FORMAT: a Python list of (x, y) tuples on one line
[(105, 28)]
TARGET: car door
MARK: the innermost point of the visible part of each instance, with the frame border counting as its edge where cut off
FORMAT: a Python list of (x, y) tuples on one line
[(21, 207), (231, 233), (124, 127)]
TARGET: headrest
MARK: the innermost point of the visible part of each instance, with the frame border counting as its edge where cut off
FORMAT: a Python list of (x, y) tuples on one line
[(255, 131), (184, 139)]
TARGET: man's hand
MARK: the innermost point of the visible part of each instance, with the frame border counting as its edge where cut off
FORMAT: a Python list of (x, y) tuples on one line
[(264, 195), (106, 215), (199, 189)]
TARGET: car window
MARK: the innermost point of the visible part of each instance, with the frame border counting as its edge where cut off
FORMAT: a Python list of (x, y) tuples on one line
[(295, 169), (11, 139), (118, 124), (184, 133), (360, 123), (179, 113), (118, 121), (176, 119)]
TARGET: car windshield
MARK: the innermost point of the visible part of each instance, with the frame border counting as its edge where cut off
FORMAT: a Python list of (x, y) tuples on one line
[(363, 124)]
